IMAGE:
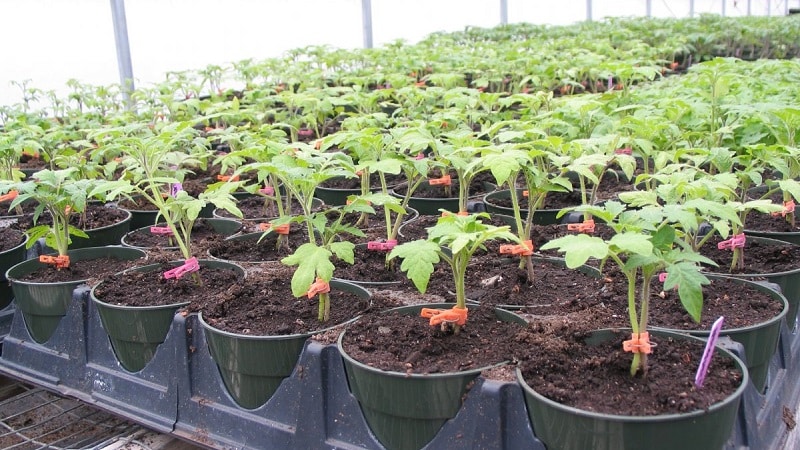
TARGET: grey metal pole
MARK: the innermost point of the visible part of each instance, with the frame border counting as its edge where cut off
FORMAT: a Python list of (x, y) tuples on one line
[(769, 8), (649, 8), (723, 8), (691, 8), (588, 10), (123, 50), (504, 12), (366, 18), (749, 7)]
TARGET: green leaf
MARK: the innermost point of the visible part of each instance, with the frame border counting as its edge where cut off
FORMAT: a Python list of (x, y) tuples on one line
[(578, 248), (312, 262), (689, 281), (419, 258), (344, 251), (630, 242)]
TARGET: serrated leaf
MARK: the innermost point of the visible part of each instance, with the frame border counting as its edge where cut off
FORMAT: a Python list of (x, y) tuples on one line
[(689, 281), (578, 248), (630, 242), (344, 251), (419, 258), (312, 261)]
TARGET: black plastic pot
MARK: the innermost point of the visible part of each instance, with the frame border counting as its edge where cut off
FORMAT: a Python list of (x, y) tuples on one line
[(759, 341), (252, 367), (563, 427), (137, 331), (405, 411), (9, 258), (432, 206), (44, 304), (100, 237), (540, 216)]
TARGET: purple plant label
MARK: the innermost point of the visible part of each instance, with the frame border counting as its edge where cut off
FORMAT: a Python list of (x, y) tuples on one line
[(708, 352), (175, 188), (610, 83)]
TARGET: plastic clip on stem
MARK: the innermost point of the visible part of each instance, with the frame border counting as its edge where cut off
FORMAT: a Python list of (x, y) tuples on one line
[(736, 241), (788, 208), (166, 231), (61, 261), (318, 287), (455, 315), (267, 190), (524, 249), (586, 227), (638, 343), (280, 229), (189, 266), (11, 195), (228, 177), (382, 246), (444, 180)]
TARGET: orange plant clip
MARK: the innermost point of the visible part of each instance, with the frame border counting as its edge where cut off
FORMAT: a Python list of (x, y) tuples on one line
[(454, 315), (788, 208), (228, 177), (638, 344), (586, 227), (318, 287), (280, 229), (526, 193), (443, 181), (460, 213), (61, 262), (11, 195), (524, 249)]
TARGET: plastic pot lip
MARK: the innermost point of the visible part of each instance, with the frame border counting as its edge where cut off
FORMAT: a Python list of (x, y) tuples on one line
[(724, 331), (116, 224), (733, 397), (139, 230), (18, 246), (760, 275), (150, 268), (413, 376), (335, 284), (142, 253)]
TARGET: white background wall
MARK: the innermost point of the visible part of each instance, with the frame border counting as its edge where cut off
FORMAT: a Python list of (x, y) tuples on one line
[(51, 41)]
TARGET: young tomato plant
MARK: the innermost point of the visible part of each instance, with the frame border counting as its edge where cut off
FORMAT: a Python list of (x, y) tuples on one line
[(644, 245), (454, 239)]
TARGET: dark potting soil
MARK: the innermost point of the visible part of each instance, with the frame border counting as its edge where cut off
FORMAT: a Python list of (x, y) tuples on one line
[(257, 207), (10, 238), (143, 238), (266, 250), (95, 216), (765, 222), (408, 344), (137, 204), (553, 200), (476, 189), (369, 265), (759, 258), (152, 289), (355, 183), (265, 306), (93, 269), (559, 365)]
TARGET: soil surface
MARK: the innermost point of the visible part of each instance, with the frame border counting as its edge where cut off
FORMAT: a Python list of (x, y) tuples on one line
[(10, 238), (93, 270), (137, 204), (250, 250), (765, 222), (152, 289), (556, 353), (202, 232), (407, 343), (95, 216), (265, 306), (759, 257), (477, 188), (355, 183), (257, 207)]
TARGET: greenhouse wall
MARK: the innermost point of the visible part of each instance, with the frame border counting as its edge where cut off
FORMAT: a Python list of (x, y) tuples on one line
[(51, 41)]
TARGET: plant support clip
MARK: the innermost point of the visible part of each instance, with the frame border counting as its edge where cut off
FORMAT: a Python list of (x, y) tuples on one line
[(11, 195), (444, 180), (228, 177), (189, 266), (280, 229), (455, 315), (382, 246), (166, 231), (587, 226), (61, 261), (736, 241), (318, 287), (267, 190), (788, 208), (638, 343), (524, 249)]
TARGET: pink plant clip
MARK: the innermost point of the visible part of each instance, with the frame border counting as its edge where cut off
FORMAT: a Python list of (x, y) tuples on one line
[(736, 241), (420, 156), (382, 246), (623, 151), (189, 266), (662, 277), (161, 230), (267, 190), (788, 208)]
